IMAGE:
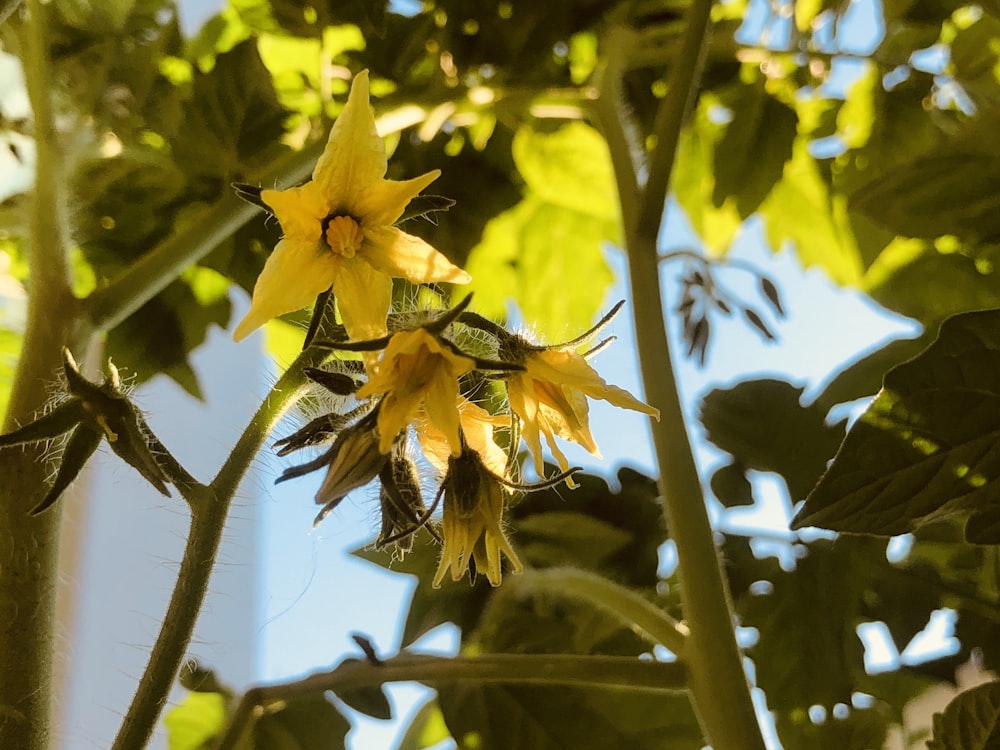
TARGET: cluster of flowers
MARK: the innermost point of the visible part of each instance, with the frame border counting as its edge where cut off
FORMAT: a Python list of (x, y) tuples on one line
[(339, 235)]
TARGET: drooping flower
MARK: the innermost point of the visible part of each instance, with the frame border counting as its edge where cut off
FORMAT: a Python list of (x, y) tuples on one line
[(550, 397), (338, 232), (471, 523), (417, 370)]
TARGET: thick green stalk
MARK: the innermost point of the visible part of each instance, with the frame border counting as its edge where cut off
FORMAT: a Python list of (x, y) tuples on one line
[(210, 508), (524, 669), (718, 682), (29, 545)]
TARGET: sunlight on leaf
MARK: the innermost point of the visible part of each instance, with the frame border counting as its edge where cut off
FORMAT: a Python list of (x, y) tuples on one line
[(970, 722), (198, 718)]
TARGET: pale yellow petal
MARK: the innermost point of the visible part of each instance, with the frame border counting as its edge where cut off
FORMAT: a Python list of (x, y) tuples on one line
[(571, 370), (355, 154), (300, 211), (395, 413), (402, 255), (294, 274), (621, 398), (440, 402), (381, 203), (521, 395), (364, 296)]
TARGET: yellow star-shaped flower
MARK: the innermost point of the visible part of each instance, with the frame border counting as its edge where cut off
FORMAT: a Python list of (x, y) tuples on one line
[(550, 399), (417, 370), (339, 233)]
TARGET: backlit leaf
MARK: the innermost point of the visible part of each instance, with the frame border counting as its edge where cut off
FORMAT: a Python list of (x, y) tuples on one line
[(195, 721)]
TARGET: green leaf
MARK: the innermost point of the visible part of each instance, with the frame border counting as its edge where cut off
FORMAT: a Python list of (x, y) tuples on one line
[(303, 724), (970, 722), (693, 181), (801, 209), (426, 730), (751, 156), (570, 167), (809, 617), (927, 446), (863, 729), (935, 196), (233, 120), (498, 717), (370, 701), (730, 485), (10, 348), (195, 721), (548, 259), (763, 424), (556, 538)]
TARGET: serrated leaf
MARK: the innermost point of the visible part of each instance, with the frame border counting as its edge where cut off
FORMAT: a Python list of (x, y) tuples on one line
[(570, 167), (927, 447), (195, 721), (302, 724), (801, 209), (970, 722), (539, 718), (935, 196), (751, 156), (763, 424), (549, 260)]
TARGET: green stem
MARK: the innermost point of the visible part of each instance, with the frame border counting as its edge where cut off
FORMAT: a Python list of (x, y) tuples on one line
[(29, 545), (718, 683), (645, 618), (524, 669), (210, 507)]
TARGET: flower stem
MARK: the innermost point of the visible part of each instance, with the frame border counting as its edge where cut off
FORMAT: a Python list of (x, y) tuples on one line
[(718, 683), (210, 507), (29, 545), (524, 669)]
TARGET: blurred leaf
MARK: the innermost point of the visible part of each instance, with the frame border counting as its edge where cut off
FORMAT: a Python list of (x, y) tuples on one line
[(693, 181), (427, 728), (570, 167), (970, 722), (555, 538), (195, 722), (863, 377), (730, 485), (370, 701), (860, 729), (233, 120), (764, 426), (546, 258), (751, 156), (302, 724), (936, 195), (800, 209), (809, 617), (927, 446), (10, 349), (198, 679), (548, 718)]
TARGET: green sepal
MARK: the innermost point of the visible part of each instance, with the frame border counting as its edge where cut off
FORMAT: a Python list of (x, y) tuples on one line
[(132, 445), (61, 419), (81, 446)]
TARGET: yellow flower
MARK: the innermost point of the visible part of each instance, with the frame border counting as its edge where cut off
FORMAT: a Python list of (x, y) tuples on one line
[(472, 521), (477, 429), (338, 231), (550, 399), (417, 370)]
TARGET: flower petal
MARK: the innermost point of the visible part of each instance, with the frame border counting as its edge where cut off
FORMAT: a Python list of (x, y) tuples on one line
[(441, 404), (355, 154), (294, 274), (364, 296), (300, 211), (399, 254), (383, 202)]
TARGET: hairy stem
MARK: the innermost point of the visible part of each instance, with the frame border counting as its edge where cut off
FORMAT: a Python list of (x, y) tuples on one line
[(524, 669), (29, 545), (718, 683), (210, 508)]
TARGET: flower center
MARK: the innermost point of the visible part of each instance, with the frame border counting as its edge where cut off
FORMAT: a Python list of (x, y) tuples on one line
[(343, 234)]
